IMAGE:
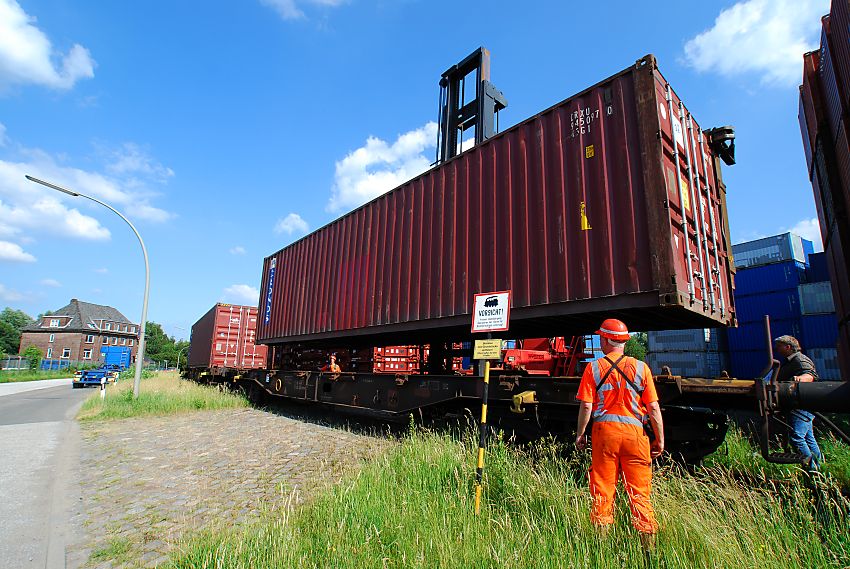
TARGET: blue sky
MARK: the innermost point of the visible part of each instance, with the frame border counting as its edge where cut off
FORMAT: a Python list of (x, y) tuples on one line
[(226, 130)]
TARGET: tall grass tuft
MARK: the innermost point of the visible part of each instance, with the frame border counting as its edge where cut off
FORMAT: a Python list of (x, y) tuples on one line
[(412, 507), (162, 394)]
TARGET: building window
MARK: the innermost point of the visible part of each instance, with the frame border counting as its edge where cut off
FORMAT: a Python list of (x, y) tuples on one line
[(92, 326), (115, 340), (133, 329), (123, 341), (125, 328), (86, 354), (66, 353), (52, 336), (54, 323), (49, 353), (107, 326), (105, 340), (90, 339), (132, 341)]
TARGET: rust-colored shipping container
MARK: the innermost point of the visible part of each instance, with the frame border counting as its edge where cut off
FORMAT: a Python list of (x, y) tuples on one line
[(224, 338), (840, 46), (578, 211)]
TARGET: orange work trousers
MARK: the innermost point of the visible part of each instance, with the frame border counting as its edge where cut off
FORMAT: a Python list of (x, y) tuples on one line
[(619, 448)]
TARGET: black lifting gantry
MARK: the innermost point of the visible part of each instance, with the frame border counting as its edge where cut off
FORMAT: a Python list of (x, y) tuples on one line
[(457, 114)]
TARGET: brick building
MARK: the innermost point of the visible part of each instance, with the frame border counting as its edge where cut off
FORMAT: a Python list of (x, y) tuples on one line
[(78, 331)]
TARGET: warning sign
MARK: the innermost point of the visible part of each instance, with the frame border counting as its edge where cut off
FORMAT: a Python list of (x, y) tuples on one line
[(491, 311), (487, 350)]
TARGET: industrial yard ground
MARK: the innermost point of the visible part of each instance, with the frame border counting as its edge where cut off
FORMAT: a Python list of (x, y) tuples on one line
[(242, 487)]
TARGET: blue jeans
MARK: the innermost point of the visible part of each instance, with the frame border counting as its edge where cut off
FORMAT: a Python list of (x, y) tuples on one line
[(803, 438)]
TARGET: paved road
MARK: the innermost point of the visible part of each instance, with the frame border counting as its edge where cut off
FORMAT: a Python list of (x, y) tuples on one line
[(39, 446), (20, 387)]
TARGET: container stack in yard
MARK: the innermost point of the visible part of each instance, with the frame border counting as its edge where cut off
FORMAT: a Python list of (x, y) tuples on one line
[(823, 116), (701, 352), (770, 272), (819, 321)]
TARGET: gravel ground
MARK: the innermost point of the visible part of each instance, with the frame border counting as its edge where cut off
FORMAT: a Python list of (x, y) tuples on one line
[(154, 479)]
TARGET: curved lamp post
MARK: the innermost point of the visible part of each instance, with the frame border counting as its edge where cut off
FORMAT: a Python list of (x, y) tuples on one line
[(140, 356)]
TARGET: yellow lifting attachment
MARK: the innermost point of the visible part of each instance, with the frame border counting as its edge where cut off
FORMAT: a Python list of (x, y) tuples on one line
[(524, 398)]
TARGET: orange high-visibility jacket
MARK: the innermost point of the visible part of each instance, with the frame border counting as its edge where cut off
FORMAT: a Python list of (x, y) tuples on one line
[(616, 401)]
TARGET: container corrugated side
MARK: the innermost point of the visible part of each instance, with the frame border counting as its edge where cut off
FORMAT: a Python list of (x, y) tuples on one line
[(819, 331), (576, 211), (776, 249), (695, 340), (751, 336), (840, 31), (829, 83), (769, 278), (826, 363), (779, 305), (689, 364), (748, 364), (817, 271), (816, 298)]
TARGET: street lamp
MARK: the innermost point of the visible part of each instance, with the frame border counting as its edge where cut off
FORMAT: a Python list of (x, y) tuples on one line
[(140, 356), (178, 357)]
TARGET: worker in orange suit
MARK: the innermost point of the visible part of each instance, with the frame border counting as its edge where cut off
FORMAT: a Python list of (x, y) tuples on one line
[(618, 392)]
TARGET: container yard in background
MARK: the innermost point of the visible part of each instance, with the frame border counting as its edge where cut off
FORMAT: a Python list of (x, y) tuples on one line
[(774, 280), (573, 232), (823, 112)]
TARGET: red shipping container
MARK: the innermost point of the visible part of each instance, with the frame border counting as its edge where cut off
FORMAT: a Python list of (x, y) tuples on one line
[(224, 338), (830, 89), (810, 112), (840, 47), (578, 211)]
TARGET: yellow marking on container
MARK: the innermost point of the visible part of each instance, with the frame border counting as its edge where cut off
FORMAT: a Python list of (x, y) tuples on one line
[(686, 197), (585, 223), (589, 151)]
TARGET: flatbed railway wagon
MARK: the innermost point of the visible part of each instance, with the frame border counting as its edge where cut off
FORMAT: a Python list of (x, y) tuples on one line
[(609, 204)]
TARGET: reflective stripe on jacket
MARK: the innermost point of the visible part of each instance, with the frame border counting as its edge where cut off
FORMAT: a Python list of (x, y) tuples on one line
[(615, 380)]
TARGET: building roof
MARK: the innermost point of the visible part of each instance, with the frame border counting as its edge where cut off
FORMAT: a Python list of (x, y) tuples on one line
[(82, 314)]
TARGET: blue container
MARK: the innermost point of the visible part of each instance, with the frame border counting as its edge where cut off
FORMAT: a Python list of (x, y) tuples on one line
[(747, 364), (826, 363), (750, 336), (689, 364), (116, 355), (818, 270), (816, 298), (779, 305), (785, 247), (768, 278), (819, 331), (694, 340)]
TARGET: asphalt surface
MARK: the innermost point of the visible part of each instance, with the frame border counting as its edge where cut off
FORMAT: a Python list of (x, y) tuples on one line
[(39, 446)]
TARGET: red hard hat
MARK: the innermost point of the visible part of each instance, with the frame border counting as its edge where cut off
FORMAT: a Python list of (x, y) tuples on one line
[(614, 329)]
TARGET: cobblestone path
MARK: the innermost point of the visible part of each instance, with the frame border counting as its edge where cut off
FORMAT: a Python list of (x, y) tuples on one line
[(153, 479)]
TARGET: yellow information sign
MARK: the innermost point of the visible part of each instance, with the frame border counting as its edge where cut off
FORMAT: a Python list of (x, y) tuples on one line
[(487, 350)]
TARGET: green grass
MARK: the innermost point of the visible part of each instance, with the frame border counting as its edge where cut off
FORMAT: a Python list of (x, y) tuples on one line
[(739, 457), (162, 394), (34, 375), (412, 507), (118, 549)]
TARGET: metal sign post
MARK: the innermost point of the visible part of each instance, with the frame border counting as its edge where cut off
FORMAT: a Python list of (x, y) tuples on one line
[(491, 312)]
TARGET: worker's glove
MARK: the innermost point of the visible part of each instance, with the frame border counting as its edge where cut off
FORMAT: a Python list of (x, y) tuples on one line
[(581, 441)]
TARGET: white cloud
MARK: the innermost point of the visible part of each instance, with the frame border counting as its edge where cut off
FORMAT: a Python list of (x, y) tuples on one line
[(809, 229), (51, 283), (27, 56), (289, 9), (763, 37), (101, 271), (237, 250), (9, 295), (242, 293), (290, 224), (31, 210), (378, 167), (13, 252)]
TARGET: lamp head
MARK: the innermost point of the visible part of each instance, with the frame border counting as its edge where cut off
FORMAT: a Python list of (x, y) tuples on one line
[(52, 186)]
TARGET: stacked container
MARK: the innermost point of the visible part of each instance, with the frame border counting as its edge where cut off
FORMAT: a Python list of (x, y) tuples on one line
[(700, 352), (770, 272), (824, 104)]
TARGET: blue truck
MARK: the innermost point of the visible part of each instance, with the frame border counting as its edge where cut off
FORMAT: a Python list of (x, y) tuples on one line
[(93, 377)]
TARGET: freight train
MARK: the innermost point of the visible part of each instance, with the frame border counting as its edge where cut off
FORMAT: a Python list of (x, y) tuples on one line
[(608, 204)]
